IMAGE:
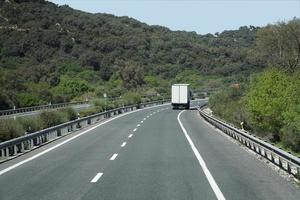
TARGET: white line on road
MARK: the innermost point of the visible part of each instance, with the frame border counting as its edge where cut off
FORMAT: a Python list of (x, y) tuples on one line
[(129, 136), (138, 125), (134, 130), (144, 119), (67, 140), (123, 144), (96, 178), (207, 173), (113, 156)]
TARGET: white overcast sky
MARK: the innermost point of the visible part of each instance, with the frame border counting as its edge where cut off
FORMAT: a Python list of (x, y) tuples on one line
[(202, 16)]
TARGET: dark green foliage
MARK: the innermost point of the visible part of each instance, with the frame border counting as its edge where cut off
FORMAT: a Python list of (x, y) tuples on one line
[(43, 43), (26, 99)]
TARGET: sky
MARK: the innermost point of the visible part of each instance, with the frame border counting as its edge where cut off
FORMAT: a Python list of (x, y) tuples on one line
[(201, 16)]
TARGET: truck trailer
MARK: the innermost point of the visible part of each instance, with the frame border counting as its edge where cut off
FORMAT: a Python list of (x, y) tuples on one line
[(180, 96)]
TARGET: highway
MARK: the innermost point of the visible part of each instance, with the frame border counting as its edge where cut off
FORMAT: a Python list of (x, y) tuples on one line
[(154, 153)]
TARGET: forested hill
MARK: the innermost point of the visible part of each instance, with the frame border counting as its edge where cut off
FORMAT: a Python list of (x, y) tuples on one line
[(55, 53)]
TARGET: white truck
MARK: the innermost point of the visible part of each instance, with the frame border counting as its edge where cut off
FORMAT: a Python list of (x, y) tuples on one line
[(181, 96)]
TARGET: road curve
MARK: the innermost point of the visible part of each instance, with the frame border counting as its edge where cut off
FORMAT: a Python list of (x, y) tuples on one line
[(145, 155)]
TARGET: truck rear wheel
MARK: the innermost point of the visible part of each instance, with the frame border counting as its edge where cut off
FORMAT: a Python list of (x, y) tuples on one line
[(187, 107)]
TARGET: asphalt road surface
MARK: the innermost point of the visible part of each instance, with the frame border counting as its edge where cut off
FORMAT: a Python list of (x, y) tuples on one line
[(155, 153)]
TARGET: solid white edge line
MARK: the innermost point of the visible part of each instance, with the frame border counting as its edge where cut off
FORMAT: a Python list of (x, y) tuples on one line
[(68, 140), (123, 144), (113, 156), (129, 136), (207, 173), (96, 178)]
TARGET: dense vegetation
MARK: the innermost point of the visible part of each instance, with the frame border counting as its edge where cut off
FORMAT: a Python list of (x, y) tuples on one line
[(269, 102), (51, 53)]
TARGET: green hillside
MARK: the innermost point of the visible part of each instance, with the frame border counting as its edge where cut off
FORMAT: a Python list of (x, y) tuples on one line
[(51, 53)]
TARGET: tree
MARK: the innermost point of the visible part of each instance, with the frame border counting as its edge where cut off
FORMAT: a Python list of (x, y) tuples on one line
[(280, 44), (131, 75), (270, 95)]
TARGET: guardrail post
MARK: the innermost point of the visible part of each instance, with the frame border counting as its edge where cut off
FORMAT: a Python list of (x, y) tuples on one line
[(297, 175), (4, 153), (63, 131), (15, 150), (22, 147), (289, 169), (280, 162), (272, 157)]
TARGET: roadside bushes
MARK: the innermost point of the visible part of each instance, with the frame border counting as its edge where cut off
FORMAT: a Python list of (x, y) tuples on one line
[(51, 118), (290, 132), (10, 128), (30, 124), (270, 107), (70, 114), (132, 98)]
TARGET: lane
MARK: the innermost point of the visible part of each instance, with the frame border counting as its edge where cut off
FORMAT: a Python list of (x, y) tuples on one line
[(157, 163), (66, 172), (237, 172)]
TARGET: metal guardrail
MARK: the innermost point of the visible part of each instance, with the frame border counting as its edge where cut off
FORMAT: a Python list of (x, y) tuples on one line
[(35, 108), (284, 160), (17, 146)]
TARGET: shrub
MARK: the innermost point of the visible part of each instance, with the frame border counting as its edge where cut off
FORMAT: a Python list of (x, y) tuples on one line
[(29, 124), (100, 105), (10, 129), (50, 118), (26, 99), (132, 98), (290, 136), (70, 113)]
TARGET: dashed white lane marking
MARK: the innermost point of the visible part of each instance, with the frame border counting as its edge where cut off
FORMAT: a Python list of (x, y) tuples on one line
[(113, 156), (68, 140), (96, 178), (123, 144), (129, 136), (207, 173), (144, 119), (134, 129), (138, 125), (148, 116)]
